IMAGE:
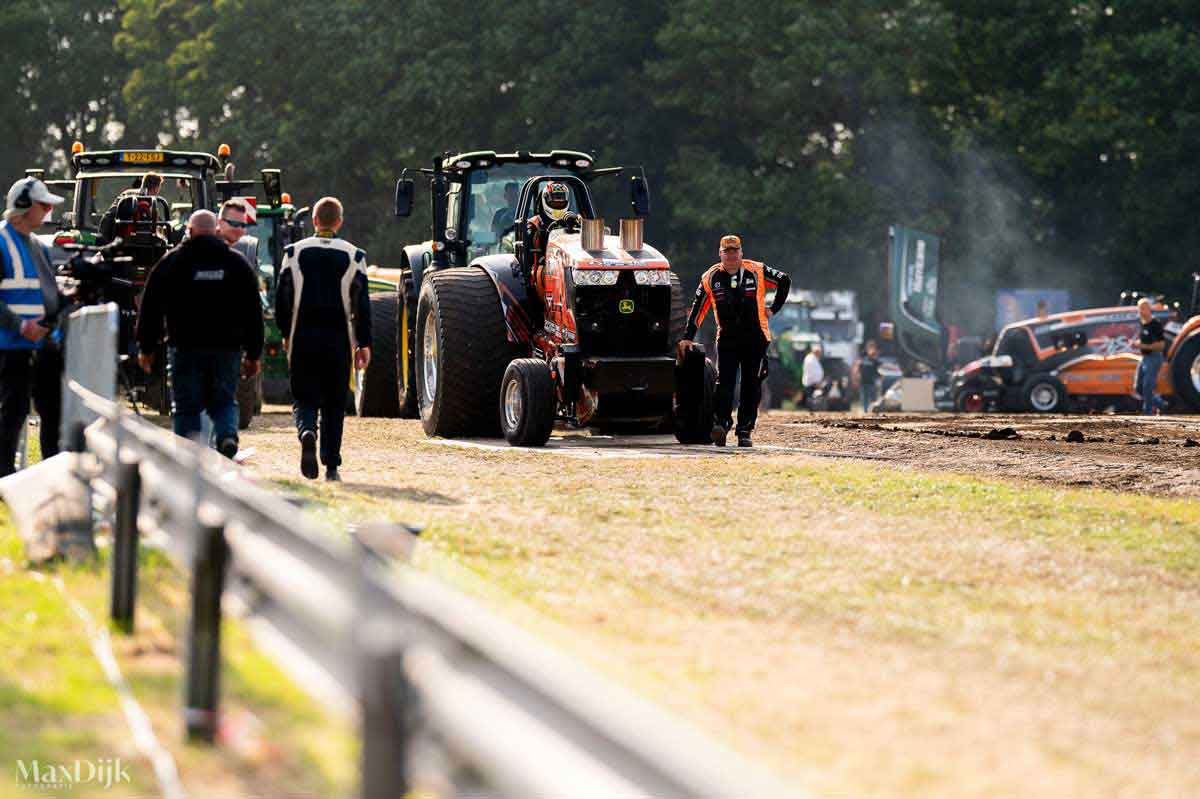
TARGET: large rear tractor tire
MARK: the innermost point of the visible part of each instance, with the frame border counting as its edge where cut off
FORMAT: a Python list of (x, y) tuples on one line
[(695, 394), (375, 389), (1185, 374), (1044, 394), (406, 373), (462, 351), (527, 403)]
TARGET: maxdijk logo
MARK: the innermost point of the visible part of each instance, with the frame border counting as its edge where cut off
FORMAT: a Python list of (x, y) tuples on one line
[(103, 773)]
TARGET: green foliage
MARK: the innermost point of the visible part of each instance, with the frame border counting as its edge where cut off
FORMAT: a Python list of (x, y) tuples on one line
[(1048, 141)]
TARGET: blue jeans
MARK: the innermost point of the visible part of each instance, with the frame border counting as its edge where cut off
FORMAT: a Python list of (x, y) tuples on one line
[(868, 393), (204, 380), (1147, 381)]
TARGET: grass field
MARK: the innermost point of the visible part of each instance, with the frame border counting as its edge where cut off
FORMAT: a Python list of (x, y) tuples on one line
[(57, 707), (864, 630)]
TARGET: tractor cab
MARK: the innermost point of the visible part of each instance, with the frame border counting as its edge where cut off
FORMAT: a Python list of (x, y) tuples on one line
[(474, 197)]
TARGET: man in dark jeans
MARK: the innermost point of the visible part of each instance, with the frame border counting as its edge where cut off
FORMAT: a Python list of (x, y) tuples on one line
[(30, 361), (207, 295), (1152, 341), (867, 374)]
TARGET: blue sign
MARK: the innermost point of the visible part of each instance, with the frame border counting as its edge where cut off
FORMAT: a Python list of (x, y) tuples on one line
[(1015, 305)]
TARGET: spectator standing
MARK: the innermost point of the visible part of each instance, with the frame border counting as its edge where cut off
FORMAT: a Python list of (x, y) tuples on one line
[(867, 374), (30, 363), (205, 298), (324, 312), (1152, 341), (814, 373)]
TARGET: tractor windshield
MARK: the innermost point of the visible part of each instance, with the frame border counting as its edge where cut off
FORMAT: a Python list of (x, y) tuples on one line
[(97, 193), (492, 203), (792, 316)]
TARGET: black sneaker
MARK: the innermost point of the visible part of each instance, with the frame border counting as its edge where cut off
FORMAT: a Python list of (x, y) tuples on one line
[(228, 447), (719, 435), (332, 476), (744, 440), (308, 454)]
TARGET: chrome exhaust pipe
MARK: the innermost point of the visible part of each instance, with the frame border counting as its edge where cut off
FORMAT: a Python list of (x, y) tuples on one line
[(631, 234), (592, 236)]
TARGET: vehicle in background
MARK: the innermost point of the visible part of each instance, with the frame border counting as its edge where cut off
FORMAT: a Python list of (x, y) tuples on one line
[(1077, 360), (191, 181), (806, 318)]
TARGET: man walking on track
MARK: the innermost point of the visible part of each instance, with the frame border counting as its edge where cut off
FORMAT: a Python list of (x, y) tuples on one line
[(325, 314), (736, 291), (185, 292)]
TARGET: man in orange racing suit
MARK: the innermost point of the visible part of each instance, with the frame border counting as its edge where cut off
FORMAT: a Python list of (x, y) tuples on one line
[(736, 290)]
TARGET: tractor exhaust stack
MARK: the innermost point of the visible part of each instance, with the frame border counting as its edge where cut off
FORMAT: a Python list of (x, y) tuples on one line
[(631, 234), (593, 235)]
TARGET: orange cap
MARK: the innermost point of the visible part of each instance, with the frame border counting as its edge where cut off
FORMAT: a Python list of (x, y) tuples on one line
[(286, 198), (76, 148), (223, 151), (731, 242)]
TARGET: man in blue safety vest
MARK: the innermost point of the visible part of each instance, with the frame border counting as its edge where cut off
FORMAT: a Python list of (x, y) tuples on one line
[(29, 363)]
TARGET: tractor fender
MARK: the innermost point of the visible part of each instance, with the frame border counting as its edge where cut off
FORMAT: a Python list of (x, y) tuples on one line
[(417, 258), (1190, 328), (505, 272)]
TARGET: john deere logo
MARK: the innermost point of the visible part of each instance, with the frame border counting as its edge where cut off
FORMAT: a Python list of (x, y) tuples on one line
[(625, 306)]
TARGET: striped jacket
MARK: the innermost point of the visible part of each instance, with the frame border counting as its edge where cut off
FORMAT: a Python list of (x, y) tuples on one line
[(20, 288)]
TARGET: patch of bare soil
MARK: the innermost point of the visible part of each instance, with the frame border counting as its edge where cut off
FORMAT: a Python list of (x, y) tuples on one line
[(1155, 455)]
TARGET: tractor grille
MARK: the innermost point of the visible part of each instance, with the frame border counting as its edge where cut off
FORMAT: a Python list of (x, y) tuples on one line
[(604, 330)]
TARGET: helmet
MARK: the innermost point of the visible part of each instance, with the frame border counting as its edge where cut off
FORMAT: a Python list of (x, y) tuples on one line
[(556, 200)]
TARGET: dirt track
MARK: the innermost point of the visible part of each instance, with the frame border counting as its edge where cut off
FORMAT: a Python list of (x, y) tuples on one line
[(1120, 453), (863, 628)]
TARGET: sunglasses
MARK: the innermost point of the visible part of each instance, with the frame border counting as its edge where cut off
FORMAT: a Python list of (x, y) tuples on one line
[(233, 222)]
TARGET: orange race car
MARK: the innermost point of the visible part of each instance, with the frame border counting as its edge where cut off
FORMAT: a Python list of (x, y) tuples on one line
[(1078, 360)]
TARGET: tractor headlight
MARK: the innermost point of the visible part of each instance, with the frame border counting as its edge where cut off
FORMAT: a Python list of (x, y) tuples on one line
[(596, 277), (652, 277)]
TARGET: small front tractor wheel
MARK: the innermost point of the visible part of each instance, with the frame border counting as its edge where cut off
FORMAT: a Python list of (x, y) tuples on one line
[(375, 387), (695, 395), (462, 350), (527, 403), (969, 400), (1044, 394), (1185, 373)]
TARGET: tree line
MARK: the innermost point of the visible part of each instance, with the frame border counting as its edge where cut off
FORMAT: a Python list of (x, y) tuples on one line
[(1049, 142)]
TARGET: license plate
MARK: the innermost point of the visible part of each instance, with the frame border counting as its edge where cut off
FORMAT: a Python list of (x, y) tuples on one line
[(153, 157)]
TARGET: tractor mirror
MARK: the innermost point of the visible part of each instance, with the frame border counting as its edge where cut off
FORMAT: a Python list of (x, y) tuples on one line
[(404, 197), (639, 196), (272, 187)]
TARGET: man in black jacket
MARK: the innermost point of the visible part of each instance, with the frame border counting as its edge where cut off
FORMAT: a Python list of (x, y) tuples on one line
[(324, 312), (207, 295)]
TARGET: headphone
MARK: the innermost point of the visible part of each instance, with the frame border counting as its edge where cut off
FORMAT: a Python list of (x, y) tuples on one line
[(24, 202)]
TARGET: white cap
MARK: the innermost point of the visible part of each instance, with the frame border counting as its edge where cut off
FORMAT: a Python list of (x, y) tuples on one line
[(24, 193)]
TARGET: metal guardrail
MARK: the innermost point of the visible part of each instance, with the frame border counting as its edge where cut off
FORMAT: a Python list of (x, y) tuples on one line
[(451, 699)]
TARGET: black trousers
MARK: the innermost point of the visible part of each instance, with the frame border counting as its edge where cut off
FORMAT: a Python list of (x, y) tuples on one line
[(23, 374), (320, 382), (736, 354)]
